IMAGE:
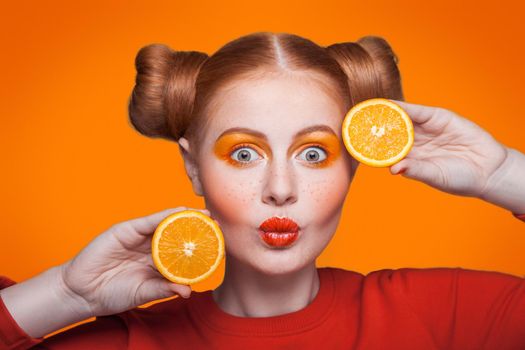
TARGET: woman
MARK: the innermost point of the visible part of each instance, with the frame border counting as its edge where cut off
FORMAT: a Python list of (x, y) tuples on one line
[(258, 125)]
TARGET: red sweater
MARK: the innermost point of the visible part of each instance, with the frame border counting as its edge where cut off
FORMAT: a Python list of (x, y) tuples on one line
[(408, 308)]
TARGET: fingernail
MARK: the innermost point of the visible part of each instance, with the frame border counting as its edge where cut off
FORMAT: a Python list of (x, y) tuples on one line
[(401, 171)]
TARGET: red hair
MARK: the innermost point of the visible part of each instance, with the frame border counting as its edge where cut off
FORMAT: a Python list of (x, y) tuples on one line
[(174, 89)]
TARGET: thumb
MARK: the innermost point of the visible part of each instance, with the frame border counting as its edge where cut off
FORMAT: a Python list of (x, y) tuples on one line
[(146, 225), (421, 170), (159, 288), (417, 112), (400, 167)]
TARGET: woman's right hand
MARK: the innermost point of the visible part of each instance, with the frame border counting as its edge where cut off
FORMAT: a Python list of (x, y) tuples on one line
[(115, 272)]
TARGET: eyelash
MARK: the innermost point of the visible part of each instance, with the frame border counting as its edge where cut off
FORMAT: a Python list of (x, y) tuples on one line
[(314, 145), (243, 164), (236, 148)]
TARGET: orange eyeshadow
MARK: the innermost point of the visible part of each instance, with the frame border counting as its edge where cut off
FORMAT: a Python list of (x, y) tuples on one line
[(329, 142), (230, 142)]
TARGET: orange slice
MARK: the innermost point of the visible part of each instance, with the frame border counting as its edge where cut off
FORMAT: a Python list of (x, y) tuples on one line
[(187, 247), (378, 132)]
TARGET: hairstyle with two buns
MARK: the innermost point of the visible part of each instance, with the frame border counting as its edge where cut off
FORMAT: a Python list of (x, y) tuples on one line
[(174, 89)]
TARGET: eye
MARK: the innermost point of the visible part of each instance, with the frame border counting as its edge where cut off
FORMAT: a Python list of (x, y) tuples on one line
[(313, 154), (244, 154)]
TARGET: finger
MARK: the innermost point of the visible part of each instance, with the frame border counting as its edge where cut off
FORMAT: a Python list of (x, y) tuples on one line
[(182, 290), (146, 225), (420, 170), (159, 288), (399, 168), (418, 113), (207, 212), (204, 211)]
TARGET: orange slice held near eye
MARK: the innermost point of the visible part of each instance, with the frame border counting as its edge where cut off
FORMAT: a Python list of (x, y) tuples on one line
[(187, 247), (378, 132)]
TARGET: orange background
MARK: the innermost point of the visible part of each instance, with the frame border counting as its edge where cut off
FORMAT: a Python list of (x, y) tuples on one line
[(73, 166)]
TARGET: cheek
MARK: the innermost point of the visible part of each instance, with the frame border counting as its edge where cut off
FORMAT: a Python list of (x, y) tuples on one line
[(328, 188), (228, 192), (324, 195)]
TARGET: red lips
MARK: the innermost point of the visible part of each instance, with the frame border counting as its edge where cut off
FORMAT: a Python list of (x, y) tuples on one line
[(279, 232), (276, 224)]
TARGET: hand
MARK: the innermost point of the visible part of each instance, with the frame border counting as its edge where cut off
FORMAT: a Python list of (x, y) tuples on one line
[(115, 272), (450, 153)]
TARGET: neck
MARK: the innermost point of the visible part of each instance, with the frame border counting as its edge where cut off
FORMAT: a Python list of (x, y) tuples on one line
[(246, 292)]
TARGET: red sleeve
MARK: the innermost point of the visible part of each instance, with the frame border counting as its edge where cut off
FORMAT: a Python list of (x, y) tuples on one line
[(108, 332), (519, 216), (467, 309), (11, 335)]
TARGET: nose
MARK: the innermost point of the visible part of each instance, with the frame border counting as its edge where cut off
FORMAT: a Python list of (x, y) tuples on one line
[(280, 186)]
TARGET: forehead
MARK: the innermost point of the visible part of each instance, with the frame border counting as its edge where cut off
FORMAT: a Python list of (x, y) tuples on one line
[(276, 105)]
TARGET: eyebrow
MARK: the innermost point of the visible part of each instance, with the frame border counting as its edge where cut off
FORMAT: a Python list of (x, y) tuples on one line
[(260, 135)]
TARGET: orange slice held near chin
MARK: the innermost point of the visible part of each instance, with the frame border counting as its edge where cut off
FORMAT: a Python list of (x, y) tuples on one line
[(377, 132), (187, 247)]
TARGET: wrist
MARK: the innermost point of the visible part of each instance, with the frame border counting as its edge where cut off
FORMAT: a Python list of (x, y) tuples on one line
[(77, 304), (41, 305), (506, 186)]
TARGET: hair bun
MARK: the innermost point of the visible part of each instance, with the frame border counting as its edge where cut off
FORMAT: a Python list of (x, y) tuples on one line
[(371, 67), (162, 99)]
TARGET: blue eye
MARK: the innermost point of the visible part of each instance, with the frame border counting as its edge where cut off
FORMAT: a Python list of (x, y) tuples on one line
[(244, 155), (313, 154)]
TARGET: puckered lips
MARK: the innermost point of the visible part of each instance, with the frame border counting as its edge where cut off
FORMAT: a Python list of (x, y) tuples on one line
[(279, 231)]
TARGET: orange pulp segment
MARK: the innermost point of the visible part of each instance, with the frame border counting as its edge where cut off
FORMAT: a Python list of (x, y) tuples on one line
[(187, 247), (377, 132)]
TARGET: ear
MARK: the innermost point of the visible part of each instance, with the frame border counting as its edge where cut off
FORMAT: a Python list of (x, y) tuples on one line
[(190, 165), (355, 165)]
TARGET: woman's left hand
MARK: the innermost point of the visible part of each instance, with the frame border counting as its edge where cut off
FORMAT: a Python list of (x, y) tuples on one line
[(450, 153)]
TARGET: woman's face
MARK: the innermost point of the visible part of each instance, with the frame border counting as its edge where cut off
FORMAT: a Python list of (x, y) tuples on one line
[(273, 148)]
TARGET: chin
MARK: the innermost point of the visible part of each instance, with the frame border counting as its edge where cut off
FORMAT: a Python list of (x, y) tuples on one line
[(276, 262)]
